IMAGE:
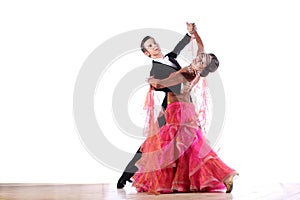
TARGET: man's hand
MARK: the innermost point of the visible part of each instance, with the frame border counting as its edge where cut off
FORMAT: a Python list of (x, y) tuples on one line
[(152, 81)]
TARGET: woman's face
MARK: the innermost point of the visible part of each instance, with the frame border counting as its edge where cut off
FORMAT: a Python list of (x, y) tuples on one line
[(202, 61)]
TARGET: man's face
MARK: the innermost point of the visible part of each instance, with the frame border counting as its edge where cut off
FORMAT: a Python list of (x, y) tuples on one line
[(152, 48)]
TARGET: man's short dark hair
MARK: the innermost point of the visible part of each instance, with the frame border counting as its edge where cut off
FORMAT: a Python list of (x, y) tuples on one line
[(143, 42)]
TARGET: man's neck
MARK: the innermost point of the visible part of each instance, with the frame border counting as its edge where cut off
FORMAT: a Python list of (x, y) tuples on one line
[(158, 56)]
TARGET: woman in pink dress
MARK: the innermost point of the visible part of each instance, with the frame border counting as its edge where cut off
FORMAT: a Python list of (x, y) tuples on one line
[(177, 157)]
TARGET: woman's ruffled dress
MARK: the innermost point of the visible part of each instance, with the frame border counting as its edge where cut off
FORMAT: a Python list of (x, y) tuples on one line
[(178, 158)]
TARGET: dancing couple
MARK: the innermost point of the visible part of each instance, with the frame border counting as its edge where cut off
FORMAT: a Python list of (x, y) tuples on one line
[(176, 157)]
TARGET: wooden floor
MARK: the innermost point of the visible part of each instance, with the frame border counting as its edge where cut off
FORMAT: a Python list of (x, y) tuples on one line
[(109, 191)]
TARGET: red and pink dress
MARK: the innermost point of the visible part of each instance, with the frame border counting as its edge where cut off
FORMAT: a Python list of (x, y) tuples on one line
[(178, 158)]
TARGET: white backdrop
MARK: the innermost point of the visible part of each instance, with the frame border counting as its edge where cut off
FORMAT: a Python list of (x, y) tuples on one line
[(43, 45)]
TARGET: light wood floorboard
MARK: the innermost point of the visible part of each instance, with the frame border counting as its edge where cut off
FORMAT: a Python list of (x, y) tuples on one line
[(288, 191)]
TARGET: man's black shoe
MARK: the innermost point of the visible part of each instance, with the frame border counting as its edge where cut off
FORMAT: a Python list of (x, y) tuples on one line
[(121, 184), (122, 181)]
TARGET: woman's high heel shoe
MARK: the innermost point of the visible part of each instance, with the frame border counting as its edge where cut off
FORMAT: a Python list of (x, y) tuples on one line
[(229, 183), (229, 186)]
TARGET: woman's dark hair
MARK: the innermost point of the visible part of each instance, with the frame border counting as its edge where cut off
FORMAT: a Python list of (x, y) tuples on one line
[(212, 66), (214, 63), (143, 42)]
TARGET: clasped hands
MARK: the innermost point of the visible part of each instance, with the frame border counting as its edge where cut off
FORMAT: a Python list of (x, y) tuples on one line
[(191, 27)]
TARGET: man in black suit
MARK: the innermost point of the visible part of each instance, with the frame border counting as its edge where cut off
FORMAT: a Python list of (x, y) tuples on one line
[(162, 67)]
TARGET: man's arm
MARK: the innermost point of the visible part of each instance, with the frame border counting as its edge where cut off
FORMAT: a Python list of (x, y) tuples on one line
[(191, 27), (185, 40)]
